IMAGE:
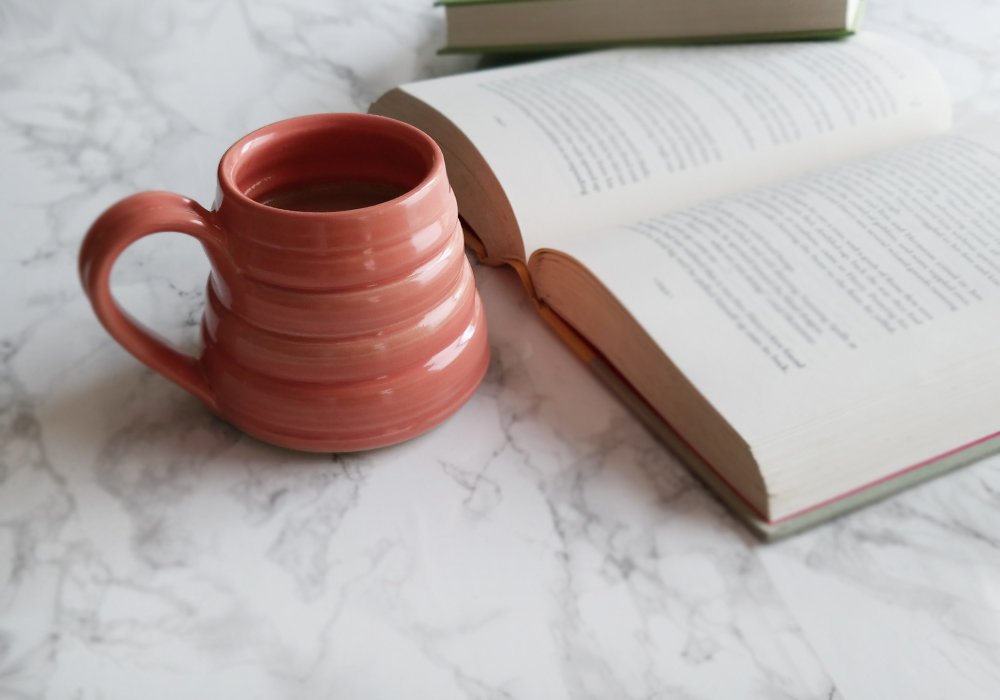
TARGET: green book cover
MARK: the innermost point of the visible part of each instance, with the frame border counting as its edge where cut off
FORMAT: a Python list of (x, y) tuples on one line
[(686, 41), (487, 2)]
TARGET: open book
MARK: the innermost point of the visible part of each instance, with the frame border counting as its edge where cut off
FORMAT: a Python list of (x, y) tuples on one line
[(774, 251)]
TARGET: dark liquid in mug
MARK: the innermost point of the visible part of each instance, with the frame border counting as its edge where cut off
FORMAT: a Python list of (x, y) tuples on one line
[(332, 196)]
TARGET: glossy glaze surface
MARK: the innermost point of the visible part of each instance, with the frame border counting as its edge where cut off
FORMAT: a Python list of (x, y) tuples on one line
[(330, 330)]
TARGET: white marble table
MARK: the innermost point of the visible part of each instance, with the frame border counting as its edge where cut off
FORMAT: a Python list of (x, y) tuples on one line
[(538, 545)]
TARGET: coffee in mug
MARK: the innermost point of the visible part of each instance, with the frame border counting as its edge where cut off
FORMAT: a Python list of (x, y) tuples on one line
[(341, 311)]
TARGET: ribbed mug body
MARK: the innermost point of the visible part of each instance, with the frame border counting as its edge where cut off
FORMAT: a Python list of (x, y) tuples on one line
[(340, 330)]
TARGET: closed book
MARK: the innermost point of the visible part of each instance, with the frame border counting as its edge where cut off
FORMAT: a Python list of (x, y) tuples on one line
[(556, 25)]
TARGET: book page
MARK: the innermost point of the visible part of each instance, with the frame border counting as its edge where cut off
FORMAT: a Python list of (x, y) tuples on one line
[(598, 139), (827, 292)]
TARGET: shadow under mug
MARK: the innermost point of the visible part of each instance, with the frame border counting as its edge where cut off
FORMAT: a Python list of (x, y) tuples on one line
[(341, 311)]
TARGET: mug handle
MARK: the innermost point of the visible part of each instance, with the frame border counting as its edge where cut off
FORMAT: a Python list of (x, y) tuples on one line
[(117, 228)]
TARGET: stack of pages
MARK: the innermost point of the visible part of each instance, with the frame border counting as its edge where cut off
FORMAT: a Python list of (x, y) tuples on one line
[(545, 25)]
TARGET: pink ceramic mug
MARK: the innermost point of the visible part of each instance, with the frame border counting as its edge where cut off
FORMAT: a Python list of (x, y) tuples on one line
[(342, 313)]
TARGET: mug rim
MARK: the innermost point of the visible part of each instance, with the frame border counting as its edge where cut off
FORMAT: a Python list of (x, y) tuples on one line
[(242, 149)]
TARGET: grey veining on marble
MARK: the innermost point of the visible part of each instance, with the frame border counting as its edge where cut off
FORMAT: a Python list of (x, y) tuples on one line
[(538, 545)]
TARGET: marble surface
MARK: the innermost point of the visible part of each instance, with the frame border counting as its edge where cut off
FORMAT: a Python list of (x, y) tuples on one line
[(540, 544)]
